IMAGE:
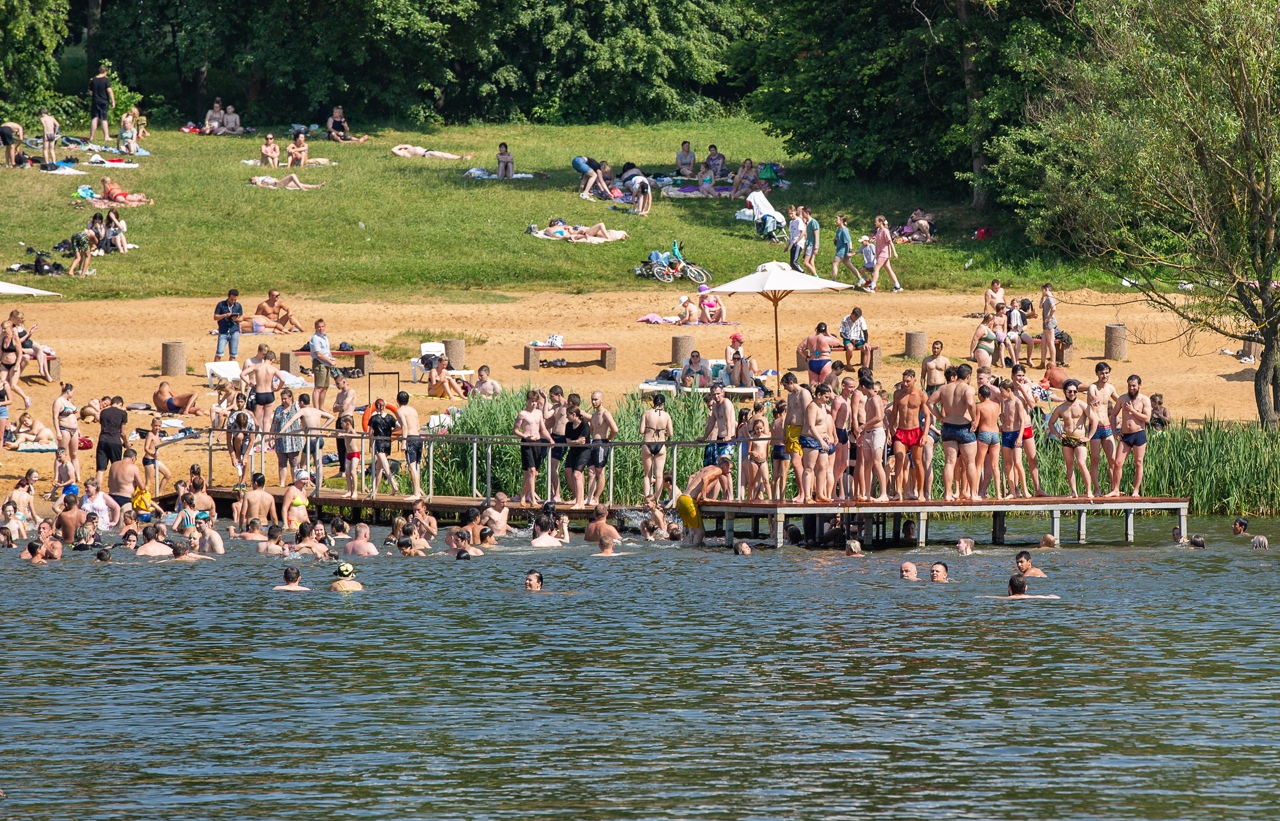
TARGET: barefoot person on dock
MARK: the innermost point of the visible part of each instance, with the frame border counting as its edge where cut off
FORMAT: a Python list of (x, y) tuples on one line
[(906, 415), (1132, 415), (531, 428), (1077, 427), (954, 404), (1100, 395)]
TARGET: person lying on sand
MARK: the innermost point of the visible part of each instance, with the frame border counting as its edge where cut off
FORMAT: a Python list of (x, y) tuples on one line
[(166, 401), (406, 150), (290, 182)]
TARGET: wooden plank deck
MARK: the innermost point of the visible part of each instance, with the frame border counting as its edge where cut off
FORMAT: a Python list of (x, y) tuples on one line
[(925, 509)]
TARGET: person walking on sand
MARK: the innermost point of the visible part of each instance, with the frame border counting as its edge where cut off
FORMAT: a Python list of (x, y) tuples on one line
[(885, 251)]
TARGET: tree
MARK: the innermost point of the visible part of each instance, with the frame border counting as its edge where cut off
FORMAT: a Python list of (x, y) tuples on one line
[(1158, 154), (894, 91), (30, 32)]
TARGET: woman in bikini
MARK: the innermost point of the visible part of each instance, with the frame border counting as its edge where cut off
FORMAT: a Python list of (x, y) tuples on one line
[(983, 345), (67, 424), (112, 191), (290, 183), (297, 151), (816, 348), (656, 428), (23, 496), (710, 310), (745, 181), (30, 348), (11, 361), (757, 479)]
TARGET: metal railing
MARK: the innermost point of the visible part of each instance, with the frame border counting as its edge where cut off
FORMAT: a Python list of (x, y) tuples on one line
[(258, 441)]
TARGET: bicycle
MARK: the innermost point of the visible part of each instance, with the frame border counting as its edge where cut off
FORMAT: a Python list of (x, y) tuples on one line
[(62, 139), (667, 267)]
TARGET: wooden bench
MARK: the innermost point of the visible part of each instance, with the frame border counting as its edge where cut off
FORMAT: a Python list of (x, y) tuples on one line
[(608, 353), (363, 358)]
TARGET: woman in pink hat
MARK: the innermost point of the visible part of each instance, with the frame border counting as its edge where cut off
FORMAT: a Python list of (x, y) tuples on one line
[(740, 369)]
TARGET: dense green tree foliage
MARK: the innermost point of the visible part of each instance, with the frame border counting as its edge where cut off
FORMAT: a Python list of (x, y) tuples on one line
[(1158, 153), (30, 32), (891, 91)]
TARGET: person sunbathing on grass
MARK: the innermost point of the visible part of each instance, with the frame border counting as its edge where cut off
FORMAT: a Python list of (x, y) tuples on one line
[(113, 191), (577, 233), (406, 150), (290, 182)]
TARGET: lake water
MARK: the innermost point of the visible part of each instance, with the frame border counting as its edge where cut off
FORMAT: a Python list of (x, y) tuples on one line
[(670, 683)]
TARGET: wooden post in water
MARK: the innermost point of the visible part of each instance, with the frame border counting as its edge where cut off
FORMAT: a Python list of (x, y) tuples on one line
[(997, 527)]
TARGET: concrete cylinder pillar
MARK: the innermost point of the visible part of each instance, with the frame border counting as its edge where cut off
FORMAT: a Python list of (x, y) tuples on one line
[(1117, 345), (917, 345), (681, 347), (456, 350), (876, 359), (173, 359)]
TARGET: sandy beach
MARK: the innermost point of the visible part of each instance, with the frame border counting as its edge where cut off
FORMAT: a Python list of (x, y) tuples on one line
[(114, 347)]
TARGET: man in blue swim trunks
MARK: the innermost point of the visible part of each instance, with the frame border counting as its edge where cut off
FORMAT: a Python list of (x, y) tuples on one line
[(816, 348), (166, 401), (1101, 395), (1133, 410), (954, 405)]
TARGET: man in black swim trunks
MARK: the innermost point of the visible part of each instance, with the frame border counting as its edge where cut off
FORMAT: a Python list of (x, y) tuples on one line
[(1133, 410), (124, 477), (555, 412), (11, 134), (102, 98), (382, 425), (111, 437), (531, 428)]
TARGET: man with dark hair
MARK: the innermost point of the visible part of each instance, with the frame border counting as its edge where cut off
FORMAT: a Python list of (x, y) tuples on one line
[(111, 436), (1101, 396), (1240, 527), (152, 546), (939, 573), (1018, 589), (533, 581), (258, 504), (227, 314), (292, 580), (1130, 418), (599, 528), (1025, 567), (124, 477), (954, 405), (102, 98), (1077, 428)]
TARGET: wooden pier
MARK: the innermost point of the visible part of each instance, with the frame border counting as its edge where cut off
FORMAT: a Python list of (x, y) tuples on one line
[(876, 516)]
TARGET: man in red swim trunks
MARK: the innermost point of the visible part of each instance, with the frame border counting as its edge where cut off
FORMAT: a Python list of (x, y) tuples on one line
[(908, 419)]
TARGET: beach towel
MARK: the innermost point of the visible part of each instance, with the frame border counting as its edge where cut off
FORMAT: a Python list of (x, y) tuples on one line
[(691, 191), (99, 202), (655, 319), (97, 159), (760, 207), (614, 236), (32, 447), (65, 171)]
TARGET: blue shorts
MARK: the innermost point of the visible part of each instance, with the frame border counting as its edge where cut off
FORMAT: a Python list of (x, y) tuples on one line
[(74, 490), (580, 165), (4, 411), (958, 433), (809, 443), (780, 453), (714, 450), (1102, 433), (1011, 439), (856, 343)]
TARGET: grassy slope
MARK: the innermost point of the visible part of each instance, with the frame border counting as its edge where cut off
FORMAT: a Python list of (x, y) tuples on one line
[(426, 229)]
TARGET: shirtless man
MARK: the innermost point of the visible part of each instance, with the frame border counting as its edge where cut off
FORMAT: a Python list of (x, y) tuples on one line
[(70, 518), (840, 424), (360, 545), (263, 378), (908, 572), (1100, 396), (717, 432), (531, 428), (1022, 387), (1077, 426), (210, 540), (151, 463), (258, 504), (1014, 419), (412, 429), (123, 478), (954, 404), (182, 552), (797, 400), (425, 527), (934, 367), (1133, 410), (703, 485), (166, 401), (603, 429), (1026, 568), (441, 384), (152, 547), (294, 505), (486, 387), (253, 534), (870, 422), (273, 308), (543, 535), (814, 441), (816, 349), (599, 529), (292, 581), (909, 402), (495, 515)]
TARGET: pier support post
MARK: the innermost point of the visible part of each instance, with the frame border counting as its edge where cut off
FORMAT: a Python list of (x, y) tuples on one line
[(779, 530), (1081, 519), (1056, 529), (897, 528), (922, 529), (1182, 522), (728, 530), (1128, 525), (997, 527)]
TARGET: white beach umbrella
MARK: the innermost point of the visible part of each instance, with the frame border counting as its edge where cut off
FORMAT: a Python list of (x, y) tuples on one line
[(775, 281), (9, 289)]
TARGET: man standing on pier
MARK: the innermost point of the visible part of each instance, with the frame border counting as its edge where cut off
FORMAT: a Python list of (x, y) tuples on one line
[(411, 427), (1133, 410), (719, 429), (955, 406), (603, 429), (531, 428), (798, 400), (1077, 428), (1100, 396), (909, 408)]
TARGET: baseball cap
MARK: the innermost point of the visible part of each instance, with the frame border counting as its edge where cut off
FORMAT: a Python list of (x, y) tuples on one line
[(864, 238)]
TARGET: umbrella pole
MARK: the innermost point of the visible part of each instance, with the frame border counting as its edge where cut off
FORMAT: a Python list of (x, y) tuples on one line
[(777, 353)]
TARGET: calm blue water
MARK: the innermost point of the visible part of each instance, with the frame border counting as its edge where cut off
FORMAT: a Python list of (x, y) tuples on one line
[(670, 683)]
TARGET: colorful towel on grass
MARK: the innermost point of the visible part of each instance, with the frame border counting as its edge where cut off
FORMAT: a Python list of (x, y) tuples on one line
[(692, 192), (99, 202), (614, 236), (656, 319)]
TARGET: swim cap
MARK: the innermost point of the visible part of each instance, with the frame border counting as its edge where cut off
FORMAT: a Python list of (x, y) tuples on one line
[(345, 571)]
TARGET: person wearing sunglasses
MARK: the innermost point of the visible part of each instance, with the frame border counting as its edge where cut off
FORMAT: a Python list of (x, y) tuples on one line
[(1078, 426)]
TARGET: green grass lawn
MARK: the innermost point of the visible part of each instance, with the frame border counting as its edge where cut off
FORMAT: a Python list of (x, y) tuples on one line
[(392, 228)]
